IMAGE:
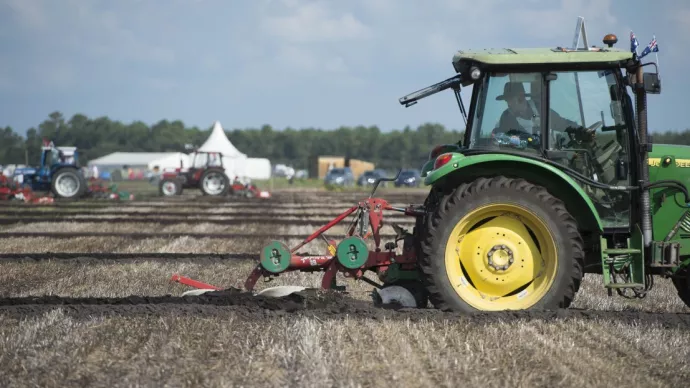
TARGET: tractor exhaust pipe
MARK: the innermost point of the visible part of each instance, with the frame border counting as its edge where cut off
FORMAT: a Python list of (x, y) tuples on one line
[(641, 107)]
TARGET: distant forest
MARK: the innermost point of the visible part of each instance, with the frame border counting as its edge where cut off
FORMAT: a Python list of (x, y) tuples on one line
[(95, 137)]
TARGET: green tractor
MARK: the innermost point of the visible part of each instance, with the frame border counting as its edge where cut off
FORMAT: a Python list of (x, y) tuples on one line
[(556, 177)]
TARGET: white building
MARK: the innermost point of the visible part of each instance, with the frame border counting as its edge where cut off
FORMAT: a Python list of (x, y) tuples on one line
[(141, 160)]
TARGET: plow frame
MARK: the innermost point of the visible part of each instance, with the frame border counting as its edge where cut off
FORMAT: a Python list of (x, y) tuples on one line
[(370, 212), (367, 223)]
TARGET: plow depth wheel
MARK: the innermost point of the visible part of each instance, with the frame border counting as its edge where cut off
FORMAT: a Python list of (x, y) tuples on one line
[(502, 244)]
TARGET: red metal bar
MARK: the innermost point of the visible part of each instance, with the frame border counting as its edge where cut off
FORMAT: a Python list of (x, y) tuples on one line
[(192, 283), (253, 278), (324, 228), (308, 262), (329, 276)]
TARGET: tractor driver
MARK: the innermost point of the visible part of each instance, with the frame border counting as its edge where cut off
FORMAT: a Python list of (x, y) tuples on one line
[(522, 115)]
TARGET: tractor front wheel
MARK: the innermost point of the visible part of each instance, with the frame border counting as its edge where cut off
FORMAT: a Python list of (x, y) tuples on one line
[(169, 187), (501, 244)]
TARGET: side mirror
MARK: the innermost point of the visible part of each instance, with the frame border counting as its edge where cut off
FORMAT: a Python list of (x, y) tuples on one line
[(652, 84)]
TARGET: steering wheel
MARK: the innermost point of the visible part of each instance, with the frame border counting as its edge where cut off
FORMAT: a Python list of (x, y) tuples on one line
[(581, 135), (516, 138)]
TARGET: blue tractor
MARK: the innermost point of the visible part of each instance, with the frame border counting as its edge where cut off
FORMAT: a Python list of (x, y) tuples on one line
[(58, 173)]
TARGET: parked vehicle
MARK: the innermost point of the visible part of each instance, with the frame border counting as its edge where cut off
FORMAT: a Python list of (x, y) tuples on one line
[(341, 176), (370, 177), (410, 178)]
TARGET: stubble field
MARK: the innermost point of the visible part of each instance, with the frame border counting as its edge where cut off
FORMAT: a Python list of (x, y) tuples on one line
[(86, 299)]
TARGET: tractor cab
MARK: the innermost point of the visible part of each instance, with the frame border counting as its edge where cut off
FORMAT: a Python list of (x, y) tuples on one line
[(567, 108)]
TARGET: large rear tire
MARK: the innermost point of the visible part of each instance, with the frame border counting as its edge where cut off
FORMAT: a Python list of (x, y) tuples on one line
[(501, 244), (68, 184), (214, 182)]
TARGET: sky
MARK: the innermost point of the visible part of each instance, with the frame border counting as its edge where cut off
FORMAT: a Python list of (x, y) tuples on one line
[(295, 63)]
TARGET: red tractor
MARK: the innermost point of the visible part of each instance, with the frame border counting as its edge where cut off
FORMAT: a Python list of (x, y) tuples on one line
[(210, 178)]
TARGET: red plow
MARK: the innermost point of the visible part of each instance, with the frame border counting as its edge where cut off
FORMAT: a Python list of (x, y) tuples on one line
[(11, 190), (395, 268)]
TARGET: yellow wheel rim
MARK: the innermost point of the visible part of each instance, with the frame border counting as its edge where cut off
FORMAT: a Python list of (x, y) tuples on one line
[(505, 266)]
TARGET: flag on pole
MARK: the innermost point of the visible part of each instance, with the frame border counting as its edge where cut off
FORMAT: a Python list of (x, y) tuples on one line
[(652, 47), (633, 43)]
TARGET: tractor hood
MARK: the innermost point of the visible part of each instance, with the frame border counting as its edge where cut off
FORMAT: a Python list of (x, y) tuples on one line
[(670, 161), (25, 171)]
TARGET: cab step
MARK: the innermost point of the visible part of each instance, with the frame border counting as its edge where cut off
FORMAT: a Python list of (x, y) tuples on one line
[(625, 285), (622, 251)]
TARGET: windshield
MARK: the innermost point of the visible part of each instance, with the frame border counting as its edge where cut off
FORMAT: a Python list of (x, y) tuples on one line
[(337, 171), (507, 113)]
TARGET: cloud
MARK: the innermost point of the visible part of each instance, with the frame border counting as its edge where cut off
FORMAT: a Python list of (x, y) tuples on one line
[(308, 22), (28, 13)]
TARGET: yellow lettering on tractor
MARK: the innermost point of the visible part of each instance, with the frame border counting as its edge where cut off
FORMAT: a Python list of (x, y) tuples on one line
[(685, 163), (654, 162)]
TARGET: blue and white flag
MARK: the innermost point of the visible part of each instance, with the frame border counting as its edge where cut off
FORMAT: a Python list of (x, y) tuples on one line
[(633, 43), (651, 48)]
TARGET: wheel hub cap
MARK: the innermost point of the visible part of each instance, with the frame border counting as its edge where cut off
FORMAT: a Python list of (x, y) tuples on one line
[(499, 258)]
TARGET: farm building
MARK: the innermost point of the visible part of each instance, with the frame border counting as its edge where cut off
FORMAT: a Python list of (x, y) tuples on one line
[(319, 165)]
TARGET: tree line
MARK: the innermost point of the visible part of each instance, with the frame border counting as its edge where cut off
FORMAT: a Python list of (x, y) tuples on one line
[(96, 137)]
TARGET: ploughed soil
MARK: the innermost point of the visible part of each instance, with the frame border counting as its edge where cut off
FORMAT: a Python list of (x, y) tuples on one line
[(310, 303)]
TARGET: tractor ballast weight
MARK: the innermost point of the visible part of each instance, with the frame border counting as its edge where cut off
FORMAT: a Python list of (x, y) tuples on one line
[(533, 197)]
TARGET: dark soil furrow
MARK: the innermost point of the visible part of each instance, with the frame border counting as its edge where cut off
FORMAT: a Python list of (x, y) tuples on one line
[(174, 221), (98, 257), (302, 212), (140, 236), (323, 306), (304, 200)]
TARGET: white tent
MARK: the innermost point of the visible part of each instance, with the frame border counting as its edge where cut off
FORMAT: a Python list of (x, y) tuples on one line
[(170, 161), (219, 142), (233, 159), (236, 162), (257, 168)]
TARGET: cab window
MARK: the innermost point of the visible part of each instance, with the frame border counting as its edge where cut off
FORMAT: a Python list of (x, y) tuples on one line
[(507, 113), (587, 126)]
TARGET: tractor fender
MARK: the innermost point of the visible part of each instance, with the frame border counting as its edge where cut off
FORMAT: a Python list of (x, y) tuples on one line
[(461, 168)]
